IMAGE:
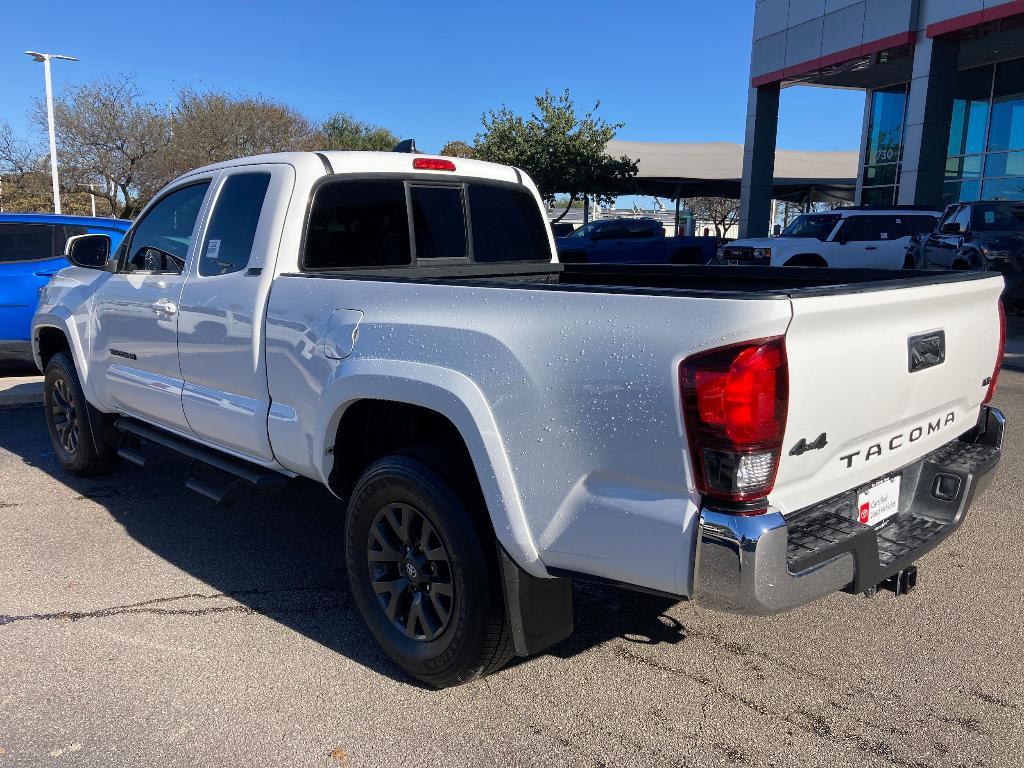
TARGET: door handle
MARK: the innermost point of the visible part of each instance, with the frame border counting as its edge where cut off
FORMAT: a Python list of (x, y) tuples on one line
[(165, 306), (46, 273), (871, 248)]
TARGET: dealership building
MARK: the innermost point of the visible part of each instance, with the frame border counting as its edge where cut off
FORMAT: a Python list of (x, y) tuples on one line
[(944, 114)]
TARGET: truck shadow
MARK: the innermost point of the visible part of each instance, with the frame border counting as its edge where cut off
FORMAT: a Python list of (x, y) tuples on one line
[(282, 556)]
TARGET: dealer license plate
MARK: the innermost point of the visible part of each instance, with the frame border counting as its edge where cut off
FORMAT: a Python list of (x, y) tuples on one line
[(878, 502)]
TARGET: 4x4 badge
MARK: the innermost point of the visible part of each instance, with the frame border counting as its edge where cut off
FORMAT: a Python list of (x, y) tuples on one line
[(803, 446)]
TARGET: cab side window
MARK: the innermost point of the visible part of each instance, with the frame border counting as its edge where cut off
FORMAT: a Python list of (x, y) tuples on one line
[(963, 218), (861, 228), (162, 238), (611, 232), (638, 230), (26, 242), (232, 229), (947, 217)]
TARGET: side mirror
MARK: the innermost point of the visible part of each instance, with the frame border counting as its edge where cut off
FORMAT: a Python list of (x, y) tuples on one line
[(841, 236), (89, 251), (952, 228)]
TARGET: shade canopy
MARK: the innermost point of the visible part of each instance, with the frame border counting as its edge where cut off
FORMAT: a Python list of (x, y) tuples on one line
[(715, 169)]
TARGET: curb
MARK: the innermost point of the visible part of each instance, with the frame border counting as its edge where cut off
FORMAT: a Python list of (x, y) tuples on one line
[(27, 391)]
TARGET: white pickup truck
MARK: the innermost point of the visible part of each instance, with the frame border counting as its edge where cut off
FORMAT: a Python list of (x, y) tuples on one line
[(397, 327)]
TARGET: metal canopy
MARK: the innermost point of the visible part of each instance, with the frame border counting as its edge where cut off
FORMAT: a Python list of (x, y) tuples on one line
[(715, 169)]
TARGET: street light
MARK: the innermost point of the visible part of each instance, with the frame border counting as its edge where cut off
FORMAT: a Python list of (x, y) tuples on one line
[(45, 59)]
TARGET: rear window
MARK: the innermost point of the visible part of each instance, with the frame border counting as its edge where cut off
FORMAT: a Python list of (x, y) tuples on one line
[(439, 220), (366, 224), (26, 242), (507, 225), (358, 224)]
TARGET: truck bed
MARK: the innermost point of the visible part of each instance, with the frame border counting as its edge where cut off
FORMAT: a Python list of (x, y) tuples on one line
[(656, 279)]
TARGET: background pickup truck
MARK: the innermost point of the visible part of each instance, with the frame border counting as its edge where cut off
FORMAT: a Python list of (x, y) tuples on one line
[(396, 327), (637, 241)]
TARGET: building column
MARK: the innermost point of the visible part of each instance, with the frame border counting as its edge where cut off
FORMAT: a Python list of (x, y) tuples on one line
[(929, 112), (864, 139), (759, 161)]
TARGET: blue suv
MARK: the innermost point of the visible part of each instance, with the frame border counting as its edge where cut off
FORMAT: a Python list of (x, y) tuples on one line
[(31, 252)]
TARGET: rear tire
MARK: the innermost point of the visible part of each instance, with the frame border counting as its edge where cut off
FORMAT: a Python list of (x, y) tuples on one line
[(67, 420), (424, 575)]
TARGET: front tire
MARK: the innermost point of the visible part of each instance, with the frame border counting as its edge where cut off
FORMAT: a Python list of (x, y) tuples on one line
[(67, 420), (421, 576)]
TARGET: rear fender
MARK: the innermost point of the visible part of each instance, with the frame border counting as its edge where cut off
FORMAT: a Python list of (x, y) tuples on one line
[(455, 397)]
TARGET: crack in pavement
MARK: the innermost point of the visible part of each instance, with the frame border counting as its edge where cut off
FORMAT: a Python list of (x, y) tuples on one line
[(152, 607), (815, 725)]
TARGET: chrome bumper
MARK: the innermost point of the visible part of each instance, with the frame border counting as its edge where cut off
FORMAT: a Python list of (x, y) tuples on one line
[(743, 564)]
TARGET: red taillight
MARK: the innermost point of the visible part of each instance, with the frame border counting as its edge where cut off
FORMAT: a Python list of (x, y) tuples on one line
[(999, 355), (735, 401), (432, 164)]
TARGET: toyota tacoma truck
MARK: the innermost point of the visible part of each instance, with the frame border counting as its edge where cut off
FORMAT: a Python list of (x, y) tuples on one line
[(397, 327)]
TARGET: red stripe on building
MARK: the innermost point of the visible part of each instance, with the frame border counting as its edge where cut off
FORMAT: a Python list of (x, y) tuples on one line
[(957, 23), (834, 59)]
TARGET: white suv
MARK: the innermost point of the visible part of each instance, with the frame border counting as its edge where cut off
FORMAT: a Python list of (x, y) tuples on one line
[(845, 237)]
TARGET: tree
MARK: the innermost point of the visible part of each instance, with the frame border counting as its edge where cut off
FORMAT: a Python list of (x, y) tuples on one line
[(458, 149), (560, 150), (213, 126), (110, 137), (721, 212), (342, 131)]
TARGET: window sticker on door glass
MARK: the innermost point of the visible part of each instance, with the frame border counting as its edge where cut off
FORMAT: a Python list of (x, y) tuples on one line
[(990, 217), (212, 249), (885, 235)]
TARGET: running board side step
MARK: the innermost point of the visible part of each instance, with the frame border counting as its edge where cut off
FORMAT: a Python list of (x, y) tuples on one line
[(243, 472)]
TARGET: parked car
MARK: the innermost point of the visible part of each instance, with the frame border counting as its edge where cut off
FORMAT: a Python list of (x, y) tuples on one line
[(31, 251), (984, 235), (398, 328), (629, 240), (846, 237)]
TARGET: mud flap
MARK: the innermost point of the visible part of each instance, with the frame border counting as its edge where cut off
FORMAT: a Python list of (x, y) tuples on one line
[(539, 610)]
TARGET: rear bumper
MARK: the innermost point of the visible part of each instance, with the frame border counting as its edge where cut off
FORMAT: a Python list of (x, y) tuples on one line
[(766, 564)]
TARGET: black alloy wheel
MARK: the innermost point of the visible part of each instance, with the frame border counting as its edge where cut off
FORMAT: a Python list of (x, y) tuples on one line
[(410, 571), (64, 409), (70, 422)]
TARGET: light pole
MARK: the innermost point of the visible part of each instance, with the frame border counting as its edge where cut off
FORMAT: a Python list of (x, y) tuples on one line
[(45, 59)]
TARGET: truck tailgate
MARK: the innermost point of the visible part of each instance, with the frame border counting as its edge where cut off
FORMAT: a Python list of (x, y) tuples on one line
[(850, 379)]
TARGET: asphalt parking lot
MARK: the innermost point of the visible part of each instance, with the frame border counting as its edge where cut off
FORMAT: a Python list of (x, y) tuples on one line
[(141, 625)]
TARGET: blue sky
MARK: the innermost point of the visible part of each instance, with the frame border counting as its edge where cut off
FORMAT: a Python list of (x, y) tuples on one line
[(675, 70)]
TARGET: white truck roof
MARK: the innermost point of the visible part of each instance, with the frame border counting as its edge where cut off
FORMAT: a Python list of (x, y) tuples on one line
[(376, 162)]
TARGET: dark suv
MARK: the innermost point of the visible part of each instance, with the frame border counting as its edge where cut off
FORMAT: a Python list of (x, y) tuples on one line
[(987, 236)]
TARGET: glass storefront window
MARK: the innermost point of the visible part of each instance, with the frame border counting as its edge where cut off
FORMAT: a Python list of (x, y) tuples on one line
[(963, 167), (988, 122), (876, 175), (1005, 164), (1007, 130), (885, 132), (973, 92), (884, 150), (1003, 189), (878, 196)]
